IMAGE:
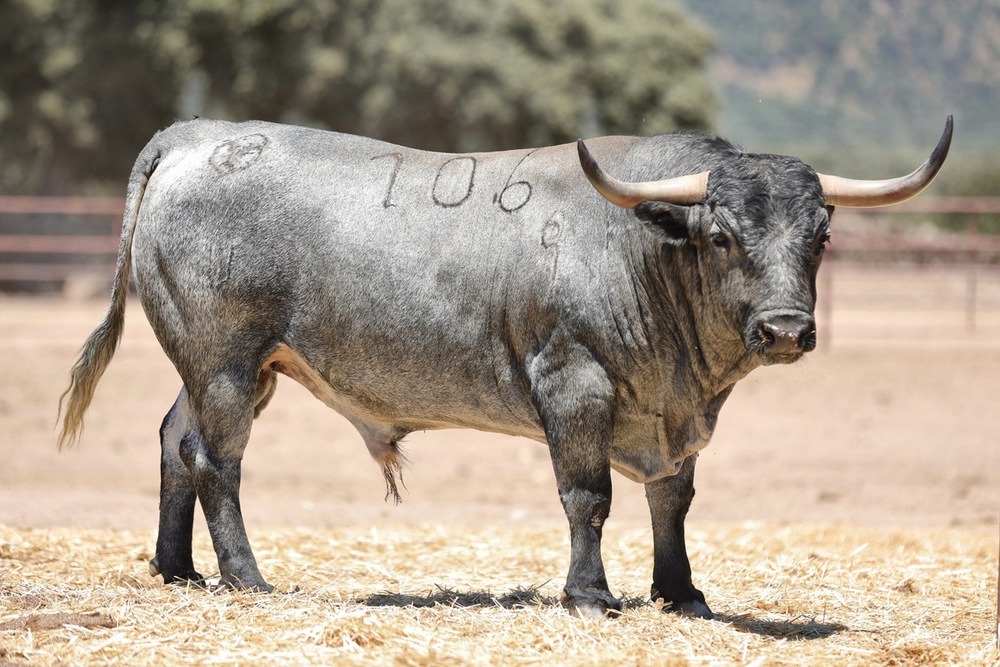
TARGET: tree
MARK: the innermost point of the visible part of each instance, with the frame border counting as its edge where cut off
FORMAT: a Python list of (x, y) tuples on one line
[(81, 91), (86, 84), (457, 75)]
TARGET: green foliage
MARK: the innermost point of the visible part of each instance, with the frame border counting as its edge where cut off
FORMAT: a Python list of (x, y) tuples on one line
[(86, 83), (79, 89), (511, 72), (457, 75)]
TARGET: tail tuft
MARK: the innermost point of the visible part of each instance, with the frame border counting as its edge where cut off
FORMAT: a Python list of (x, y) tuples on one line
[(103, 341), (87, 371)]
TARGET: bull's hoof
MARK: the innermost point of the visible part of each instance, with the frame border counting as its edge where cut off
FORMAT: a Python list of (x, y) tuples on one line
[(186, 575), (694, 608), (590, 603), (234, 583)]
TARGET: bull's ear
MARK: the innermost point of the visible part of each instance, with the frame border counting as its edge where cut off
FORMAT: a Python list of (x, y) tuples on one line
[(670, 219)]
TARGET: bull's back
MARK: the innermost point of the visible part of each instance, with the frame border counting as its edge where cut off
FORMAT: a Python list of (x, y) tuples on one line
[(391, 271)]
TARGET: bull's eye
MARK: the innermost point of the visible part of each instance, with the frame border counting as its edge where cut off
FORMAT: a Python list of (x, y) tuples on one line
[(820, 246), (721, 241)]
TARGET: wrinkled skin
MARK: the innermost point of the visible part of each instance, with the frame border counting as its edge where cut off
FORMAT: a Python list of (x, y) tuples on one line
[(498, 291)]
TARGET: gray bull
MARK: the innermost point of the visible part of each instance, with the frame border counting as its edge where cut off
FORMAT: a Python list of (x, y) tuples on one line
[(495, 291)]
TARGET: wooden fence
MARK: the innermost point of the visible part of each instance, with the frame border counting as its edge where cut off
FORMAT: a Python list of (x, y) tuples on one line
[(953, 267), (54, 239), (47, 243)]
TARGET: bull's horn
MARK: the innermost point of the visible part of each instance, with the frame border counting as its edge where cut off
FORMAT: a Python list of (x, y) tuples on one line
[(840, 191), (690, 189)]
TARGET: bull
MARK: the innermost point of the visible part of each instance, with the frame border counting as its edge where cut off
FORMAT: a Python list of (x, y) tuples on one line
[(512, 292)]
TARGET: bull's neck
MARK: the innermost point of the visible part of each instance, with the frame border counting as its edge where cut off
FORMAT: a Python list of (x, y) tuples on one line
[(686, 320)]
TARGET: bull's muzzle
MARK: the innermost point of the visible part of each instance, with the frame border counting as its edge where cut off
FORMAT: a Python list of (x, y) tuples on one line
[(784, 335)]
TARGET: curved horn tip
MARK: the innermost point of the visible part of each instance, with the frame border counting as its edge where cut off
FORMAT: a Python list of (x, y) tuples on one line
[(849, 192), (944, 143), (586, 158)]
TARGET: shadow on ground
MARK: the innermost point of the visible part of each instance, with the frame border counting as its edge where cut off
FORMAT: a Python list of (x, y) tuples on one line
[(799, 628), (517, 598)]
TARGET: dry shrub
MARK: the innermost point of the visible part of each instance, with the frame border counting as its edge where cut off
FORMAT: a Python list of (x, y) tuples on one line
[(785, 595)]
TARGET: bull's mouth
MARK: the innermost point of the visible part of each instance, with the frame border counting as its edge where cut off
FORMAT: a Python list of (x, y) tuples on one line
[(781, 337), (774, 359)]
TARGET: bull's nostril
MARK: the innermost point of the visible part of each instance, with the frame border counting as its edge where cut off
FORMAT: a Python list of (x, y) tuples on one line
[(766, 333), (787, 334), (807, 341)]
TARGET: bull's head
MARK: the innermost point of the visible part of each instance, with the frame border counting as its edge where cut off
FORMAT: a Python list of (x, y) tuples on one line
[(757, 226)]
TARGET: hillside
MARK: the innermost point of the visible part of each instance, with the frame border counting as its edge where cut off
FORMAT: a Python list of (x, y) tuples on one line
[(856, 75)]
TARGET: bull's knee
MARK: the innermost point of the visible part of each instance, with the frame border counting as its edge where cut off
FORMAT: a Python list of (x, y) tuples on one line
[(176, 426), (584, 507), (212, 475), (188, 450)]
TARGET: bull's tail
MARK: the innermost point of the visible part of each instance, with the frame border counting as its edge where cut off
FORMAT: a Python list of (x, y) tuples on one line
[(103, 341)]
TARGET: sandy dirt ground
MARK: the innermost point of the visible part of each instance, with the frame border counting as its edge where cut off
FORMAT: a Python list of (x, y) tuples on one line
[(895, 423)]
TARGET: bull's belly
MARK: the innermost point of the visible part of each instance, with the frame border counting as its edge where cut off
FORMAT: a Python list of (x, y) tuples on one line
[(644, 447), (384, 403)]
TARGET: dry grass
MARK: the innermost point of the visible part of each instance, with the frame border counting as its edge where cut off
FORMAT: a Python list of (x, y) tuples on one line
[(785, 595)]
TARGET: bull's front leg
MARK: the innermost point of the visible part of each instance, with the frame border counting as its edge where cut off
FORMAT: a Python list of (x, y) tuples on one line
[(575, 407), (587, 502), (669, 499)]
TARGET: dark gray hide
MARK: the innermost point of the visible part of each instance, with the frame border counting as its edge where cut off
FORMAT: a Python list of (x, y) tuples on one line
[(496, 291)]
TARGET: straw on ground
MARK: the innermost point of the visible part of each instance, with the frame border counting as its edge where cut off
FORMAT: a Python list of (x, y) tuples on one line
[(785, 595)]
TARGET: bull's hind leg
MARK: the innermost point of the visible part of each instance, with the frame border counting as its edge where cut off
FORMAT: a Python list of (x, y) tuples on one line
[(224, 405), (177, 497), (173, 557)]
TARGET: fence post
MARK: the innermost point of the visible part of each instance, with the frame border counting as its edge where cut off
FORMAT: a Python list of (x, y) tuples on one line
[(826, 300), (973, 277)]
